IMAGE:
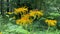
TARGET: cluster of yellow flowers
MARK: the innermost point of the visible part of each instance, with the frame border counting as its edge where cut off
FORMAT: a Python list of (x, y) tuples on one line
[(51, 22), (26, 18)]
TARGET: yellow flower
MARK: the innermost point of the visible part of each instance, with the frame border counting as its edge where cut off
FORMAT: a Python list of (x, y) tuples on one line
[(27, 15), (21, 10), (18, 21), (51, 22), (36, 13), (23, 21), (0, 32)]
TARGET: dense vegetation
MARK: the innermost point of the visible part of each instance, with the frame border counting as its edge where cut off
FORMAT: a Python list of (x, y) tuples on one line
[(30, 17)]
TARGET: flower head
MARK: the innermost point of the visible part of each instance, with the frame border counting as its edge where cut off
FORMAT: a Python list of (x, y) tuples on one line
[(36, 13), (51, 22), (23, 21), (21, 10)]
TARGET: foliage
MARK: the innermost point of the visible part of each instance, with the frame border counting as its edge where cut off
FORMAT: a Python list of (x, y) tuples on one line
[(40, 17)]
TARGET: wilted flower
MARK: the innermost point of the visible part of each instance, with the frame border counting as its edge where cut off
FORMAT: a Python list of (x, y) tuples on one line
[(51, 22)]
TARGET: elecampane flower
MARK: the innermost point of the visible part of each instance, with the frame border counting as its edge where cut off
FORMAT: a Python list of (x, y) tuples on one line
[(51, 22)]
